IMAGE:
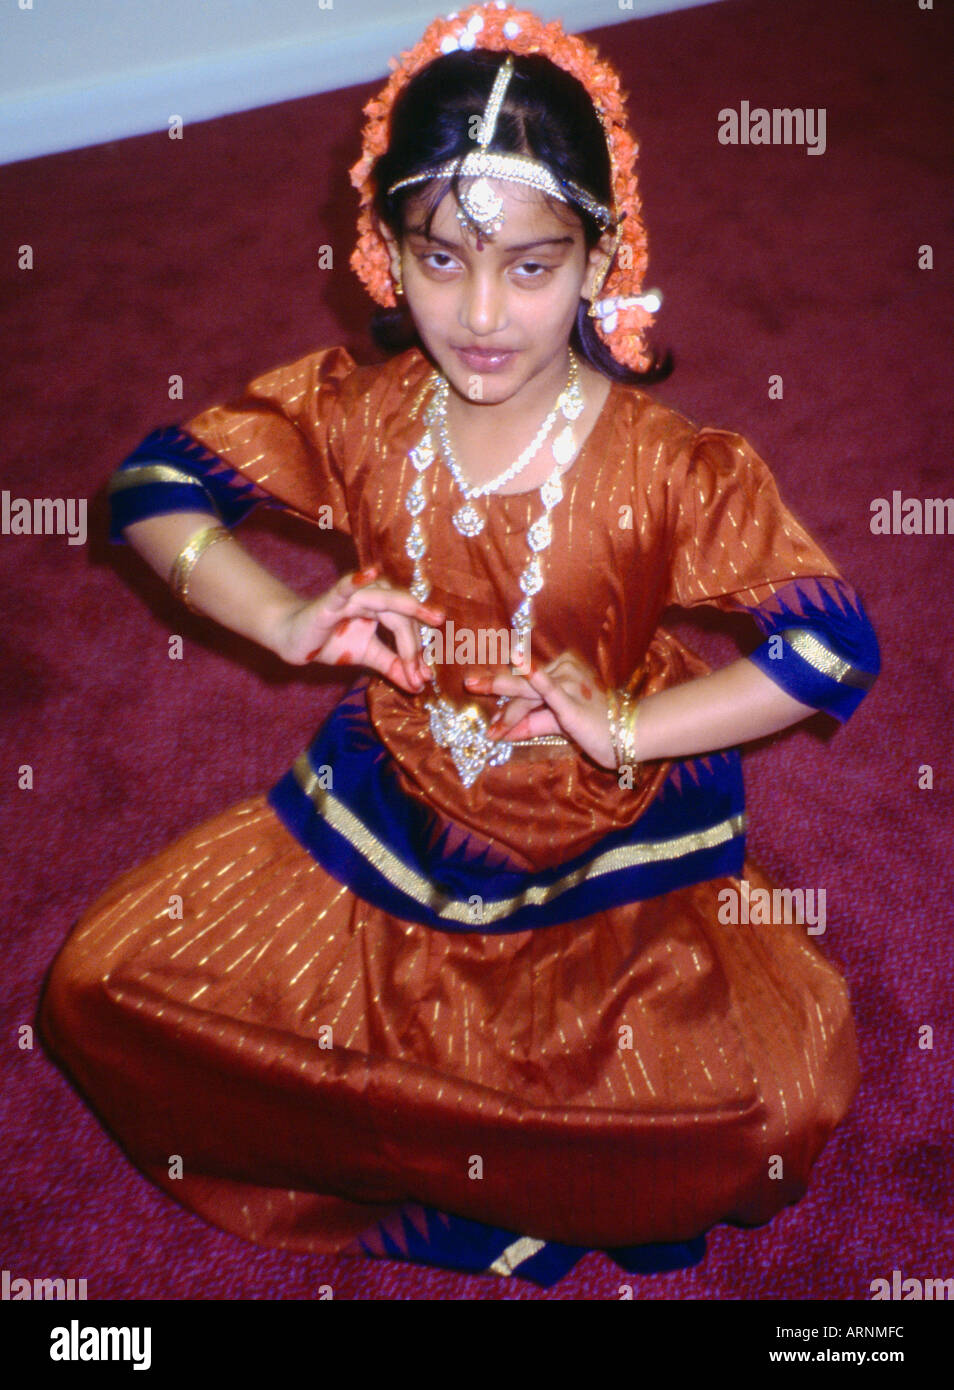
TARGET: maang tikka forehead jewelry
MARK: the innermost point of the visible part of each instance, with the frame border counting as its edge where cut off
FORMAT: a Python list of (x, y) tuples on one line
[(480, 205)]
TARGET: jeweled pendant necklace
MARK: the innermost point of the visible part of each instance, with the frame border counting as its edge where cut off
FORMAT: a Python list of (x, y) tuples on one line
[(467, 519), (464, 731)]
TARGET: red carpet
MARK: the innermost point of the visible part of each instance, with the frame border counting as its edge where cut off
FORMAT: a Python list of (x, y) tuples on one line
[(200, 258)]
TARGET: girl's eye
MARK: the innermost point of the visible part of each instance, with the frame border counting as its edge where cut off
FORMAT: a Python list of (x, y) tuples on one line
[(531, 270), (438, 260)]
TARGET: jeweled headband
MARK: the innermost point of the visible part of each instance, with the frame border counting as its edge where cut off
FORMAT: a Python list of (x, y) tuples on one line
[(480, 204), (622, 315)]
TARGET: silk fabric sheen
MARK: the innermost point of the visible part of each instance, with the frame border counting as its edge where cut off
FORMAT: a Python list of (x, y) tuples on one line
[(626, 1077)]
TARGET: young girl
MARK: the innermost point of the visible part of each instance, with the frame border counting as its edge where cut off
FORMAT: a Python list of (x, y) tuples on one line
[(485, 980)]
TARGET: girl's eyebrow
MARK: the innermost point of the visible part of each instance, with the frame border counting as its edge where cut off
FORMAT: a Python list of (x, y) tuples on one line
[(523, 246)]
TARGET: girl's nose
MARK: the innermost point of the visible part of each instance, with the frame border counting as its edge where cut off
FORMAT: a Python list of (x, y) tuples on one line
[(482, 308)]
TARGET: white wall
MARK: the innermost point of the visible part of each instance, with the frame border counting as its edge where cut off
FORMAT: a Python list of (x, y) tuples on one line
[(78, 72)]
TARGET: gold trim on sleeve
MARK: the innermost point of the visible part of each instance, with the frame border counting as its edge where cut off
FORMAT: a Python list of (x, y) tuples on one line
[(142, 473), (806, 645)]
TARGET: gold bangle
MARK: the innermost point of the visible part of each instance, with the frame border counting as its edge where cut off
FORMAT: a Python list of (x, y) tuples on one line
[(185, 561), (612, 718), (629, 714)]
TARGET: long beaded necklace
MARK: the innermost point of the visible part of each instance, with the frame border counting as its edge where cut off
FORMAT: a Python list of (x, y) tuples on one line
[(464, 732)]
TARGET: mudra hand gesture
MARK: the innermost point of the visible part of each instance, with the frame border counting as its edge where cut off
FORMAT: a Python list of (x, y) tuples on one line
[(564, 697), (339, 628)]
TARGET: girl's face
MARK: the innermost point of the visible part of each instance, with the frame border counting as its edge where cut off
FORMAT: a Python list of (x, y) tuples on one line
[(496, 320)]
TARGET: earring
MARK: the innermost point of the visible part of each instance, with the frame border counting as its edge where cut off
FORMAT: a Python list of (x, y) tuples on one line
[(398, 282), (592, 312)]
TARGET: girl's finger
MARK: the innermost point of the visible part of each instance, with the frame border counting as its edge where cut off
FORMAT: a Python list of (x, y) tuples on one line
[(381, 658), (426, 671), (370, 588), (407, 640), (506, 719), (370, 603), (339, 593), (499, 683), (538, 721), (366, 576), (565, 708)]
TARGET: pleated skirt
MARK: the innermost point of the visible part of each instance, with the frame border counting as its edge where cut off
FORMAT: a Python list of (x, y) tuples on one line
[(293, 1063)]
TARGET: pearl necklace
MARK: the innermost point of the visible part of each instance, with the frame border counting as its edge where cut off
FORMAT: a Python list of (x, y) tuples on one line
[(467, 519), (464, 732)]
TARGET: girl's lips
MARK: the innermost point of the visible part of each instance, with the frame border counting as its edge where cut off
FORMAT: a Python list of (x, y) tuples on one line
[(485, 359)]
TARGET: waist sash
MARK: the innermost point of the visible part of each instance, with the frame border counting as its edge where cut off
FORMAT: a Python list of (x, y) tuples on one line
[(343, 802)]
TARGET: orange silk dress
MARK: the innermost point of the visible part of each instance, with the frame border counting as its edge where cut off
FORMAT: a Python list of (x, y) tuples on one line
[(637, 1072)]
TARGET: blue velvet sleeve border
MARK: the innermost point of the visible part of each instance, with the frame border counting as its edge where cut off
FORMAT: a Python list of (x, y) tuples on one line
[(820, 645), (172, 472)]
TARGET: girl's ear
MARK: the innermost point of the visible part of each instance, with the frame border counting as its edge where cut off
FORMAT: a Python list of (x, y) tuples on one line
[(598, 264)]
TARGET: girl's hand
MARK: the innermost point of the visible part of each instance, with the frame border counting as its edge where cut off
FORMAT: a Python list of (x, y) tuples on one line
[(562, 698), (339, 628)]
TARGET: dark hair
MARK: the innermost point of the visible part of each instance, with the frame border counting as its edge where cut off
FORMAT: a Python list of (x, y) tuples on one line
[(546, 113)]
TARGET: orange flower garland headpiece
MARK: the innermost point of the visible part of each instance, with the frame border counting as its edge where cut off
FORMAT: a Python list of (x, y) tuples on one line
[(622, 315)]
